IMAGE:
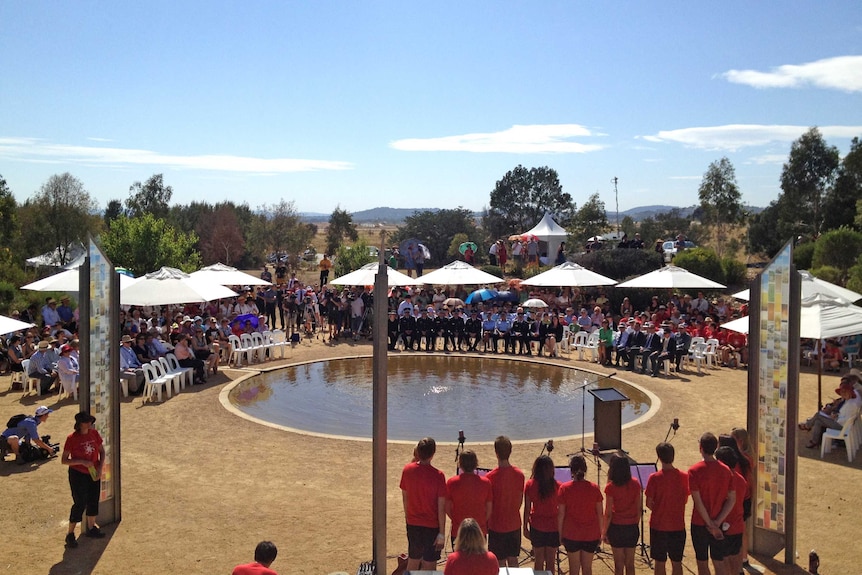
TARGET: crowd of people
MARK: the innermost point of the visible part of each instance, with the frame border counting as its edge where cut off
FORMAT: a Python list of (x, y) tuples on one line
[(490, 512)]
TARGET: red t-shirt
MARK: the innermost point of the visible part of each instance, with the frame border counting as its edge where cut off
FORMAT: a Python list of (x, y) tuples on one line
[(84, 446), (668, 488), (713, 480), (626, 502), (581, 520), (469, 495), (507, 487), (736, 339), (543, 512), (252, 569), (459, 563), (424, 485), (737, 524)]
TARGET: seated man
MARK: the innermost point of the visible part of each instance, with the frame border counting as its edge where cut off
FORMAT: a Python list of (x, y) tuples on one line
[(473, 330), (24, 432), (130, 366), (503, 330), (836, 415), (42, 367)]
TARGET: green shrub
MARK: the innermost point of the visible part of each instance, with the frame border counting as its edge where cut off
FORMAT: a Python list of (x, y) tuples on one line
[(493, 270), (803, 254), (620, 264), (734, 271), (828, 273), (8, 291), (838, 249), (701, 261)]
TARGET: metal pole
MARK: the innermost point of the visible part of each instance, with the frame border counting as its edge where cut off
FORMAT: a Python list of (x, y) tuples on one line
[(617, 198), (379, 411)]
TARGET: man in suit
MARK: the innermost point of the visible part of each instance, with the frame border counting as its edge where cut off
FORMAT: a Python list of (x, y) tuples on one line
[(666, 351), (634, 343), (652, 344), (683, 343)]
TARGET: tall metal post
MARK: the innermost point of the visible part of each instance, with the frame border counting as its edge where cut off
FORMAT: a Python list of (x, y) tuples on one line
[(617, 198), (379, 411)]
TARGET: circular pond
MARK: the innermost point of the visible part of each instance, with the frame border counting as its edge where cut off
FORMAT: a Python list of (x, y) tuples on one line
[(433, 396)]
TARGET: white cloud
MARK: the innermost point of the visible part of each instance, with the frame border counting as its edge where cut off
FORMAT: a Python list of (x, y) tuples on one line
[(532, 139), (767, 159), (840, 73), (733, 137), (36, 150)]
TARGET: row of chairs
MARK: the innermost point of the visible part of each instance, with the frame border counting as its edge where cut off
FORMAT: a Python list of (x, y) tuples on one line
[(31, 384), (163, 373), (850, 434), (254, 347)]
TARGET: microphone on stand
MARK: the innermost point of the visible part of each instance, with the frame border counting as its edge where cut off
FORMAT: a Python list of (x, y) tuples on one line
[(549, 445), (460, 446), (675, 424)]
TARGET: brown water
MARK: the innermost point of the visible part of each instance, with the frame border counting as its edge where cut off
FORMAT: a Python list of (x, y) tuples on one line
[(433, 395)]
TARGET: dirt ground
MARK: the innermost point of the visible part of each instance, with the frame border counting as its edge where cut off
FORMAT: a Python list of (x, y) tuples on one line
[(201, 486)]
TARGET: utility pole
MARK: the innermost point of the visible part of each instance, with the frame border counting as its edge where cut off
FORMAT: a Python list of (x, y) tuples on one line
[(617, 198)]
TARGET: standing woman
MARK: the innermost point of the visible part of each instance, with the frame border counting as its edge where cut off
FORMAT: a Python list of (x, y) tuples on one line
[(579, 517), (85, 455), (540, 513), (471, 557), (623, 509)]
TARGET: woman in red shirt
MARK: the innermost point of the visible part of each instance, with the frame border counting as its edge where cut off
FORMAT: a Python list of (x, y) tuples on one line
[(470, 556), (623, 509), (85, 455), (579, 517), (540, 513)]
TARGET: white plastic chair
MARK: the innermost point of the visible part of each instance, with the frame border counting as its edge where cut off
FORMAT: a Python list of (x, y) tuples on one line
[(592, 345), (153, 383), (845, 434), (696, 355), (249, 345), (175, 366), (279, 342), (580, 343), (19, 376), (710, 352), (260, 344), (178, 377), (238, 351), (32, 383)]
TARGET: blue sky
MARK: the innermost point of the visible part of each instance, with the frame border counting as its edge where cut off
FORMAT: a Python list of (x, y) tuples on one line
[(420, 105)]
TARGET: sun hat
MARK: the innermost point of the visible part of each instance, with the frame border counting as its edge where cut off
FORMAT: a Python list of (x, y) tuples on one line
[(84, 417), (65, 349), (43, 410), (43, 344), (126, 339)]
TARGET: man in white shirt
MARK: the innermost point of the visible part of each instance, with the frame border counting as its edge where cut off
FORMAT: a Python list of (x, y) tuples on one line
[(835, 418)]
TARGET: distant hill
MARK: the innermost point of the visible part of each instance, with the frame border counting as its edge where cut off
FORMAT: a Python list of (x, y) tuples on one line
[(397, 215)]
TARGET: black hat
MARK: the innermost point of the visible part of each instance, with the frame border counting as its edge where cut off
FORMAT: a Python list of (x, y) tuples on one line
[(84, 417)]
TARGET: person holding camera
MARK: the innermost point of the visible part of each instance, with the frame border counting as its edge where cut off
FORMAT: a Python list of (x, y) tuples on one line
[(23, 432), (84, 453)]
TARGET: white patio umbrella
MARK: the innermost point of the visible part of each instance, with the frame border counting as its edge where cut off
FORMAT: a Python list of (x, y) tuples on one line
[(170, 286), (222, 274), (820, 317), (569, 274), (671, 277), (534, 302), (68, 281), (811, 286), (459, 273), (10, 325), (364, 276)]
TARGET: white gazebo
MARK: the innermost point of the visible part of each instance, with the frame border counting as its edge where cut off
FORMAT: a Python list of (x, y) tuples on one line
[(550, 235)]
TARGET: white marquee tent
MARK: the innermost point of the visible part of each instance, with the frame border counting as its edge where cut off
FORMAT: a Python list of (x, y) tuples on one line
[(550, 235)]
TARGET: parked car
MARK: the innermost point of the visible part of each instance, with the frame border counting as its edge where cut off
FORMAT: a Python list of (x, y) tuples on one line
[(669, 249), (310, 254)]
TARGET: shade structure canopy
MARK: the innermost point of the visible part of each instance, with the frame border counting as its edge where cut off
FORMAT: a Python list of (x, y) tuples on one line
[(811, 286), (68, 281), (225, 275), (171, 286), (364, 276), (550, 232), (459, 273), (11, 325), (820, 317), (569, 274), (671, 277)]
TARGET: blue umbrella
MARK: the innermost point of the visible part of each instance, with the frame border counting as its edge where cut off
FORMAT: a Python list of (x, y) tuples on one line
[(484, 294), (241, 319), (507, 296)]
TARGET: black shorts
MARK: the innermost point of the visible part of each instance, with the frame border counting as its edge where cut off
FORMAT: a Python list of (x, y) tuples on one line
[(420, 543), (623, 535), (504, 544), (705, 545), (746, 509), (573, 546), (666, 543), (732, 544), (544, 538)]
